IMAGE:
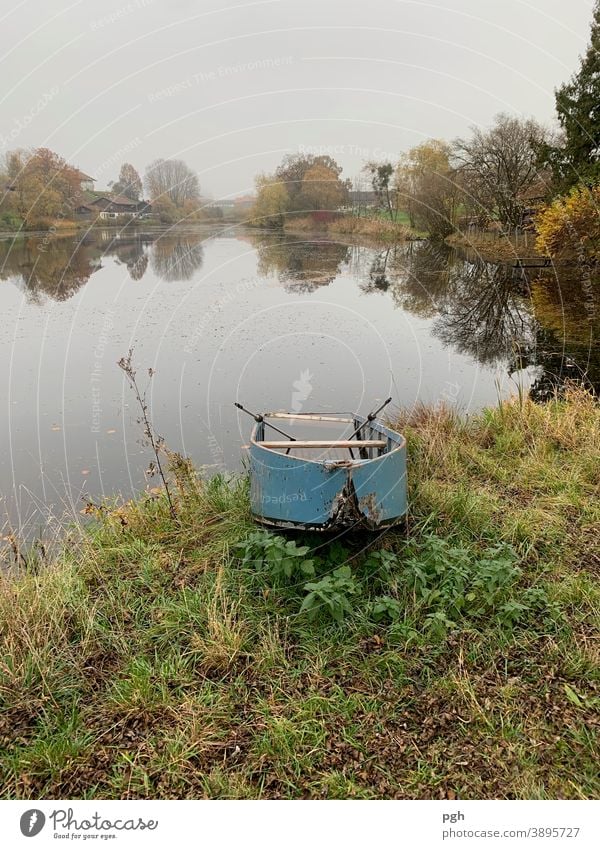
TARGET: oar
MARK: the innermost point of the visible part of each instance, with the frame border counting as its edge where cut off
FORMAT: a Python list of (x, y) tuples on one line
[(370, 418), (259, 418)]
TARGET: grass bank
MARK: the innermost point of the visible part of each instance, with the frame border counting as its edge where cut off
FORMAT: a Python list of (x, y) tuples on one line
[(495, 247), (376, 230), (459, 660)]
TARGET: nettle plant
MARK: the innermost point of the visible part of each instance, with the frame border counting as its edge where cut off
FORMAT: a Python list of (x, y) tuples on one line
[(281, 559), (448, 586), (433, 587), (331, 595)]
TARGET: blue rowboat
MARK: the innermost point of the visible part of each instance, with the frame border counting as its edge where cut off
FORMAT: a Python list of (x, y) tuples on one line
[(327, 484)]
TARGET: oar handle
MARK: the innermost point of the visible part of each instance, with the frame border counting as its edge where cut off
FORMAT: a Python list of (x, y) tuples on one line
[(370, 417), (374, 415), (259, 418), (256, 417)]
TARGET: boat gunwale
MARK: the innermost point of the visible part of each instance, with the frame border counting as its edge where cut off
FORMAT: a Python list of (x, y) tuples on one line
[(333, 464)]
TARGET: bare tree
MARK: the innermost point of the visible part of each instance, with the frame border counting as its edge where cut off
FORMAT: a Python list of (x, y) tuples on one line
[(500, 168), (172, 179)]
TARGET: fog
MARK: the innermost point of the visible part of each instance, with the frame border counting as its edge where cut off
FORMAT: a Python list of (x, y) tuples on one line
[(232, 87)]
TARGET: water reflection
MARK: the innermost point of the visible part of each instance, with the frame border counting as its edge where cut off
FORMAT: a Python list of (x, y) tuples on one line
[(483, 313), (57, 267), (130, 252), (300, 265), (414, 318), (495, 314), (177, 257), (57, 271), (378, 279), (422, 275), (567, 312)]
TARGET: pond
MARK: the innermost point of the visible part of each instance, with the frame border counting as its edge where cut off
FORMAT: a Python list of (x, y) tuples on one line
[(276, 322)]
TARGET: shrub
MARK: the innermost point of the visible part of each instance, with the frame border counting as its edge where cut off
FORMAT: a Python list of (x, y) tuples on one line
[(570, 226)]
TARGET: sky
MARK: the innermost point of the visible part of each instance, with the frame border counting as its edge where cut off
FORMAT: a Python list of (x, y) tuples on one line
[(231, 86)]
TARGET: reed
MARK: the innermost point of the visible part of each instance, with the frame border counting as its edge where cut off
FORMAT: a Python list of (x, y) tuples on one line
[(377, 230)]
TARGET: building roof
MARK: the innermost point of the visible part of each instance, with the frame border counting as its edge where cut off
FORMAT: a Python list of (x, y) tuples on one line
[(91, 201), (119, 200), (85, 177)]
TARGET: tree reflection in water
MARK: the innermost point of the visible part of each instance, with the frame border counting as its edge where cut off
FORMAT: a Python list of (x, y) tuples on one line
[(177, 257), (567, 309), (492, 313), (301, 265), (498, 314), (56, 270), (485, 314), (57, 267)]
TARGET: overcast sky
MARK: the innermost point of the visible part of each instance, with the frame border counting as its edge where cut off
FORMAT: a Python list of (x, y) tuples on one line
[(232, 86)]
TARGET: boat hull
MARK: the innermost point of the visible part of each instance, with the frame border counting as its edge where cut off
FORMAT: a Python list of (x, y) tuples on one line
[(293, 492)]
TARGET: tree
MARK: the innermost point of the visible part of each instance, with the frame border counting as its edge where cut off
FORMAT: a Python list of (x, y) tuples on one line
[(500, 168), (42, 185), (165, 209), (129, 183), (570, 226), (322, 188), (172, 179), (292, 171), (381, 179), (577, 157), (272, 202), (427, 184)]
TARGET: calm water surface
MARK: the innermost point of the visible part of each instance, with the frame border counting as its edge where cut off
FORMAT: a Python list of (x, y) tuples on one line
[(275, 322)]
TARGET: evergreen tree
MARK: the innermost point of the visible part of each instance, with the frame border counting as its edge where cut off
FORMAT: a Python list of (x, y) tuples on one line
[(577, 159)]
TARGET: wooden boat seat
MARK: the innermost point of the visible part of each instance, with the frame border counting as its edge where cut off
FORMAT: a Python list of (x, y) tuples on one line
[(324, 443)]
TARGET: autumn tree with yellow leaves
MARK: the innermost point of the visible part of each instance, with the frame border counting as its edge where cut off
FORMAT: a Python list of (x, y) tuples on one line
[(569, 227)]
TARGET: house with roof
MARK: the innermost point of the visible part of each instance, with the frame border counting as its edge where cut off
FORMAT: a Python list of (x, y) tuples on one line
[(113, 207), (86, 183)]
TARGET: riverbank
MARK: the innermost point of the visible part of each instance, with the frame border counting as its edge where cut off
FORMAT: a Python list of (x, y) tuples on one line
[(371, 230), (157, 658), (74, 228), (495, 248), (490, 247)]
